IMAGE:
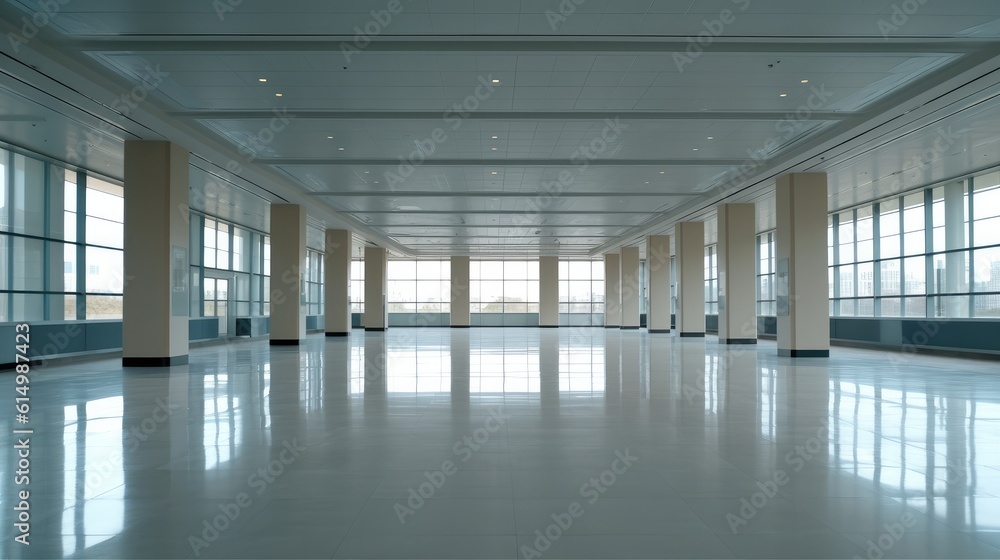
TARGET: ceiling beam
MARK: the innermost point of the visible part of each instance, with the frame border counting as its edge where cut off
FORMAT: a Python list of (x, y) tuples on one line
[(517, 212), (494, 44), (490, 194), (312, 114), (529, 162)]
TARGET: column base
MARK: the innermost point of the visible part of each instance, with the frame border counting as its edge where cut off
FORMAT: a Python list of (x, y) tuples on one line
[(285, 342), (692, 335), (548, 326), (612, 326), (659, 331), (155, 362), (737, 341), (337, 334), (785, 353), (635, 328), (375, 329), (461, 326)]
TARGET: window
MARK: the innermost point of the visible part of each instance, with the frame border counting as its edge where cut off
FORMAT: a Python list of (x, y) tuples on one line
[(581, 287), (314, 282), (419, 286), (936, 254), (766, 301), (357, 286), (503, 286), (711, 280)]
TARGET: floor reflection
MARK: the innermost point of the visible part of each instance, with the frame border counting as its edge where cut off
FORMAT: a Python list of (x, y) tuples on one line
[(131, 462)]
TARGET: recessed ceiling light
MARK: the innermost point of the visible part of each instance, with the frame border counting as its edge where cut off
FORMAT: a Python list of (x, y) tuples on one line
[(329, 137), (782, 95), (340, 149), (262, 80), (695, 149), (662, 172), (494, 137), (367, 172), (711, 137), (493, 173), (493, 149), (279, 94), (805, 81), (647, 182), (495, 81)]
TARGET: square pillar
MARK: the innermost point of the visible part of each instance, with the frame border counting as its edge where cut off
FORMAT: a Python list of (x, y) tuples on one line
[(548, 292), (801, 282), (460, 318), (612, 291), (337, 282), (288, 263), (737, 274), (690, 237), (156, 298), (376, 317), (658, 286), (631, 289)]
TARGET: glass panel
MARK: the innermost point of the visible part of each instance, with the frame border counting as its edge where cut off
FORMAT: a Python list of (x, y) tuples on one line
[(846, 280), (915, 307), (866, 279), (987, 232), (951, 273), (889, 229), (987, 306), (28, 307), (847, 308), (105, 271), (890, 277), (104, 307), (913, 224), (916, 275), (891, 307), (27, 210), (29, 267), (987, 270), (866, 307), (986, 201), (865, 233), (106, 233)]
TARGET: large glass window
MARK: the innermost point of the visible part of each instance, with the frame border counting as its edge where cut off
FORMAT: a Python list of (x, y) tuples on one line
[(581, 287), (357, 286), (419, 286), (48, 269), (766, 301), (503, 286), (930, 253), (314, 282), (711, 280)]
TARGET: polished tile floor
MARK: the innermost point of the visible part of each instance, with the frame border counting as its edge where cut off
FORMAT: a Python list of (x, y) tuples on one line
[(511, 443)]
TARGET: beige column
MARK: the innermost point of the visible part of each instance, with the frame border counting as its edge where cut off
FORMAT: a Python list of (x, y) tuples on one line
[(156, 291), (548, 292), (288, 263), (737, 274), (612, 291), (658, 283), (460, 318), (801, 283), (337, 282), (376, 317), (690, 238), (631, 291)]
